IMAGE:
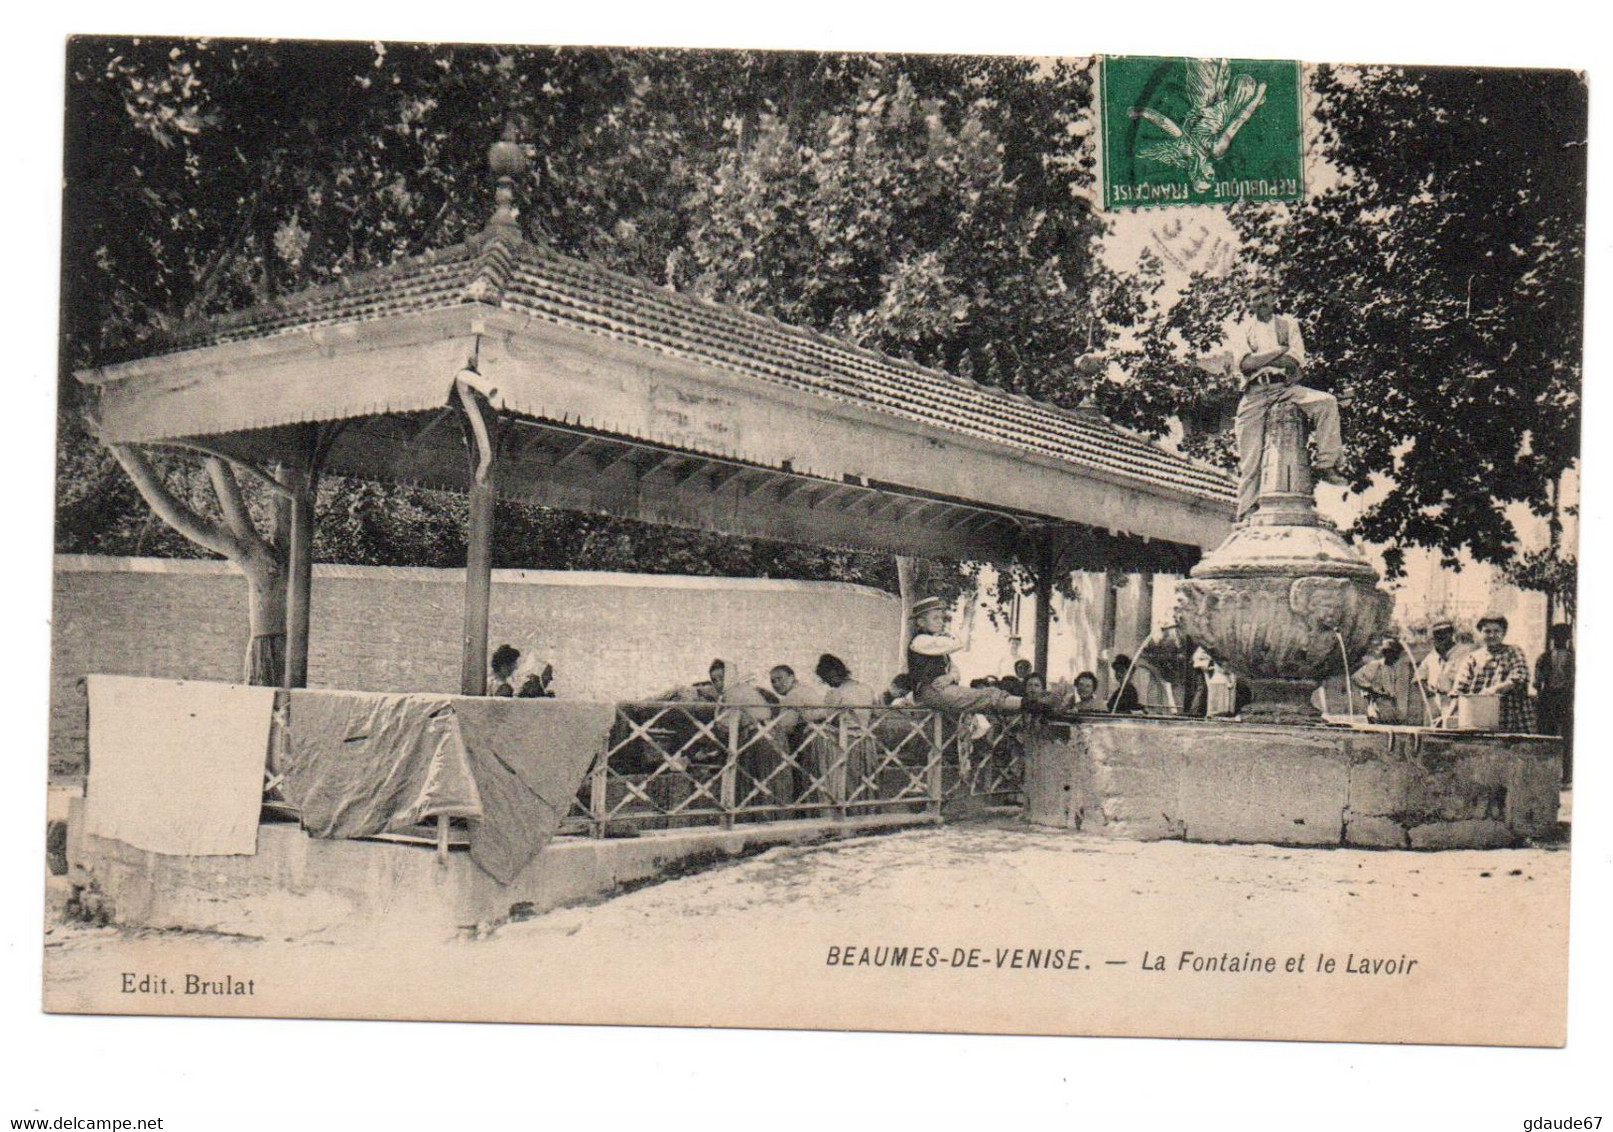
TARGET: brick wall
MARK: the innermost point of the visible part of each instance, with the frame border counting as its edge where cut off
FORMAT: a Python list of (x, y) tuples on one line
[(609, 636)]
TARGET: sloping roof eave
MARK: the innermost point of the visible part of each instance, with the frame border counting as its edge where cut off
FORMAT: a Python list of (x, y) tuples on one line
[(537, 283)]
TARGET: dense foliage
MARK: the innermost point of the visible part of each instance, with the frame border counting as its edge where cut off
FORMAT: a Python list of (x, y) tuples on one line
[(1440, 280)]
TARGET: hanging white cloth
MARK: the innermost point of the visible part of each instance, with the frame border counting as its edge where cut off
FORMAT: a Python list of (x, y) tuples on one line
[(176, 766)]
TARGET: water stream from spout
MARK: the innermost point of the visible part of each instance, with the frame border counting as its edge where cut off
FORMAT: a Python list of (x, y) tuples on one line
[(1170, 694), (1132, 667), (1428, 712), (1349, 687)]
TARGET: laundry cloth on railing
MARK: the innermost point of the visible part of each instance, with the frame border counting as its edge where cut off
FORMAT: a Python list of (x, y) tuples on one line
[(356, 764), (176, 766)]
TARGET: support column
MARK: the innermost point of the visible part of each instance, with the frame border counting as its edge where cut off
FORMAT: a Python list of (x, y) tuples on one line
[(1044, 618), (300, 573), (1144, 626), (1111, 613), (300, 478), (906, 569), (1145, 607), (1046, 564), (478, 590), (481, 438)]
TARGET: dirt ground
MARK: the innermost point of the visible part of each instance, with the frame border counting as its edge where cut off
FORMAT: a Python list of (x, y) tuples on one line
[(1441, 947)]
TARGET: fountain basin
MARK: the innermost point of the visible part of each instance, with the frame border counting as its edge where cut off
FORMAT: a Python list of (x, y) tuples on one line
[(1283, 605), (1285, 601), (1150, 779)]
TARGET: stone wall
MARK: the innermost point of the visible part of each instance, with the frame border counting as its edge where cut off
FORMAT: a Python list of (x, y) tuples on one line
[(390, 629), (1196, 780)]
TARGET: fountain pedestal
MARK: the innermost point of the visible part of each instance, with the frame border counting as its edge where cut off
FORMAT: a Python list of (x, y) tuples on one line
[(1285, 602)]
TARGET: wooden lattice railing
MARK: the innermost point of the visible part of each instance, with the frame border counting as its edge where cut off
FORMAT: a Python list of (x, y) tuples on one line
[(675, 765)]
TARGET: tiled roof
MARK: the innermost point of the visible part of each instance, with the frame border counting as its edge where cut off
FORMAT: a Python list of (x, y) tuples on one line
[(529, 278)]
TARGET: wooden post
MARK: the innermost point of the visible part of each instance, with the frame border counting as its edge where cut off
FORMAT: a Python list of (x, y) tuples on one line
[(842, 779), (727, 786), (1111, 615), (481, 424), (906, 568), (936, 771), (1045, 565), (478, 590), (1145, 609), (300, 477), (1144, 630), (299, 580), (598, 794)]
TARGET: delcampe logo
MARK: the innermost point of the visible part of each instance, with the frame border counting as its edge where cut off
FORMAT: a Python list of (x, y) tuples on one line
[(1200, 131)]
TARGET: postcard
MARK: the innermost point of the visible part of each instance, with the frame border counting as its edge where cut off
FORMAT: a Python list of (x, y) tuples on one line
[(777, 539)]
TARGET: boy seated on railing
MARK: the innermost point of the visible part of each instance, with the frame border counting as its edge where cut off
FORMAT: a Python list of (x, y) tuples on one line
[(935, 677)]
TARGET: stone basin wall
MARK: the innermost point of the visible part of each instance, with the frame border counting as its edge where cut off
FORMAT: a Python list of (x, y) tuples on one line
[(1390, 788)]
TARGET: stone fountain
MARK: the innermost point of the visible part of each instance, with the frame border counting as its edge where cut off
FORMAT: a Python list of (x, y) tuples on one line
[(1285, 600), (1274, 602)]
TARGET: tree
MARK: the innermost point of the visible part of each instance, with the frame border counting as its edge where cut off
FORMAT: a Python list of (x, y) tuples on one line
[(261, 558), (903, 218), (1440, 280), (1549, 572), (202, 176)]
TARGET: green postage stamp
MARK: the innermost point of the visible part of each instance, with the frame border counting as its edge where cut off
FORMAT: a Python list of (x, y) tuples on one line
[(1200, 131)]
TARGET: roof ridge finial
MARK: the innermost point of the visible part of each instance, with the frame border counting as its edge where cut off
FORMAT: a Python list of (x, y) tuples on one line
[(507, 159)]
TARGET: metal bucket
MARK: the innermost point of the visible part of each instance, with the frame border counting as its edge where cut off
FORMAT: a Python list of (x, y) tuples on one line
[(1478, 713)]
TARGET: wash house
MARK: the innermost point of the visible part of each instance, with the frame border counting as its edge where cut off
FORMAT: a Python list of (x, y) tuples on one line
[(501, 368)]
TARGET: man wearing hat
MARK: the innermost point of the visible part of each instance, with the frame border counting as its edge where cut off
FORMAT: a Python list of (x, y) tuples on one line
[(1495, 668), (1437, 672), (933, 675), (1270, 354)]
